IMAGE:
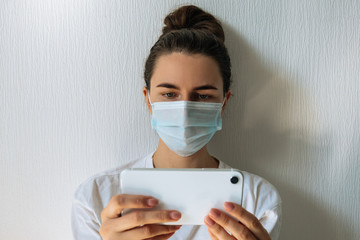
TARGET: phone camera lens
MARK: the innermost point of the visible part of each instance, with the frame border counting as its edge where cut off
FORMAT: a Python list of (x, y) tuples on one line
[(234, 180)]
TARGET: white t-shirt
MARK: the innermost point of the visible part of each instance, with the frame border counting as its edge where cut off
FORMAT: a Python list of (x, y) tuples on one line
[(260, 198)]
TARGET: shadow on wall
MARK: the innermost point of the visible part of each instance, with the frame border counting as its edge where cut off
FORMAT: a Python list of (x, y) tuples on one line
[(272, 129)]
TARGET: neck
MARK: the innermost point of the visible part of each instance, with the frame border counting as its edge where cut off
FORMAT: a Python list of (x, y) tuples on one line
[(165, 158)]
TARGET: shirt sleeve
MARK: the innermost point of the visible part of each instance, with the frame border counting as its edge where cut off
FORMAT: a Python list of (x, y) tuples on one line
[(271, 221), (84, 222)]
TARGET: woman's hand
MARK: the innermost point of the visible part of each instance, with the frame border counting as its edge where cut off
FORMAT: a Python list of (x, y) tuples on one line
[(241, 226), (137, 224)]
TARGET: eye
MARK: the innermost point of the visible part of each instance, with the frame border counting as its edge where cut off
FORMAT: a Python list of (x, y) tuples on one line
[(169, 95), (203, 96)]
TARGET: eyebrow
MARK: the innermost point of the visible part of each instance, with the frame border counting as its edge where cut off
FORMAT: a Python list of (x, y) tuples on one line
[(168, 85), (205, 87)]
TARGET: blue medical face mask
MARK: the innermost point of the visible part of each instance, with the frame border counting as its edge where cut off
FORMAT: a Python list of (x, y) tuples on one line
[(184, 126)]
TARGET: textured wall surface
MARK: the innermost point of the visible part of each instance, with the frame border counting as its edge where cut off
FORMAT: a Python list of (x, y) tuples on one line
[(71, 105)]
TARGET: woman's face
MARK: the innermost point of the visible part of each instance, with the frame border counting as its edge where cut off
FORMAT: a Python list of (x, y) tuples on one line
[(186, 77)]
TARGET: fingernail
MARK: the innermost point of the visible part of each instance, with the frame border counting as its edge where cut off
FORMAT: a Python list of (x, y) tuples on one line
[(209, 221), (151, 202), (229, 206), (175, 215), (214, 213)]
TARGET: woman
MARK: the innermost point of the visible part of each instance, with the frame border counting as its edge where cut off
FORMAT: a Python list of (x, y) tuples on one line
[(187, 74)]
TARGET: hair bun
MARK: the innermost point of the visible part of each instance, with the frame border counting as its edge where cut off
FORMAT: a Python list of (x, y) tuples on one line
[(193, 17)]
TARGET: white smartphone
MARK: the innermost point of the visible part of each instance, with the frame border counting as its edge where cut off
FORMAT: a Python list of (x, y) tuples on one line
[(193, 192)]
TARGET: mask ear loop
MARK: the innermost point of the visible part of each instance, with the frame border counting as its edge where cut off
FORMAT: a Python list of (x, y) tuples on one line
[(223, 102), (149, 96)]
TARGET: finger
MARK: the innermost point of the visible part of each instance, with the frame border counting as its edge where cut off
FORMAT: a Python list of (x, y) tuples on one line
[(159, 232), (151, 231), (247, 219), (235, 228), (139, 218), (162, 237), (217, 231), (119, 202), (212, 236)]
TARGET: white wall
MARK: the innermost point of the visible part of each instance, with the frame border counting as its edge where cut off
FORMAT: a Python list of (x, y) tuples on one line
[(71, 105)]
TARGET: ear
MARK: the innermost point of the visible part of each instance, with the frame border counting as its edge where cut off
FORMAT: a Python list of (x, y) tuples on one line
[(146, 93), (227, 96)]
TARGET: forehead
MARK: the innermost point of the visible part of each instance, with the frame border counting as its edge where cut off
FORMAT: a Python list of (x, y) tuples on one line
[(186, 70)]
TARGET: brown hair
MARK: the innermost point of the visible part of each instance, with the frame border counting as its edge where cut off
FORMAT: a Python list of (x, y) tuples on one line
[(191, 30)]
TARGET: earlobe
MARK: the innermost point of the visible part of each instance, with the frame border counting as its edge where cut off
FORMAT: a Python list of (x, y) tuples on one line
[(146, 93)]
